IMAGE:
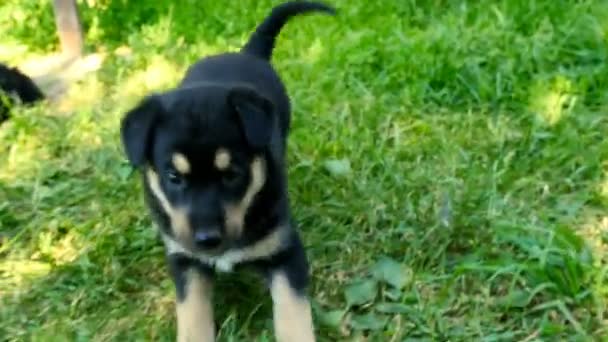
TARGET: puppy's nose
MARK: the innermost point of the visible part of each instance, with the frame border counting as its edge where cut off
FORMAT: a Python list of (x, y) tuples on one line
[(207, 239)]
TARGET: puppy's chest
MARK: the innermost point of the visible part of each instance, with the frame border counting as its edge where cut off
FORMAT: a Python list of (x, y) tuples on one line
[(224, 262)]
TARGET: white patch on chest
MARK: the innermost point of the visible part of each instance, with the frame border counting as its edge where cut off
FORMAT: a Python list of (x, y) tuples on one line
[(226, 261)]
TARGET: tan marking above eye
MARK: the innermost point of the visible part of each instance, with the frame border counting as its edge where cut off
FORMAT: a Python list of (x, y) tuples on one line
[(222, 159), (180, 162), (235, 212), (178, 216)]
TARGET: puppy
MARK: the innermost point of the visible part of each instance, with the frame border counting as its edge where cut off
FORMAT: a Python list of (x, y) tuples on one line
[(14, 85), (212, 158)]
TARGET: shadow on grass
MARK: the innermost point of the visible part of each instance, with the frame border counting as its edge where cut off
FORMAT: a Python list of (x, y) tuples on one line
[(504, 183), (76, 235), (82, 202), (116, 267), (98, 259)]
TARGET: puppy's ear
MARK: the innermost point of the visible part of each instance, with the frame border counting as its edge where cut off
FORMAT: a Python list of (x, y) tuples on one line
[(136, 129), (256, 115)]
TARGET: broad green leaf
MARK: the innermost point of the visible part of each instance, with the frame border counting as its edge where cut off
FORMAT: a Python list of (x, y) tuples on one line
[(514, 299), (338, 167), (392, 293), (390, 272), (124, 171), (393, 308), (368, 321), (331, 318), (361, 292)]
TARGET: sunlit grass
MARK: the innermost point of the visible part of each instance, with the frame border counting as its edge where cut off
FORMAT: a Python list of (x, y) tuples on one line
[(464, 142), (12, 51), (553, 100), (23, 154), (603, 187), (21, 272), (159, 74)]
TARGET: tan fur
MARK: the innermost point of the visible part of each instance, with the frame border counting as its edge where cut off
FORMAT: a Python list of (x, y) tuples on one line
[(181, 164), (235, 213), (195, 313), (222, 159), (267, 246), (177, 216), (292, 314)]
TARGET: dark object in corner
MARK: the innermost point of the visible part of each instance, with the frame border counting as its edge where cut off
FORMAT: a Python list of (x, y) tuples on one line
[(16, 85)]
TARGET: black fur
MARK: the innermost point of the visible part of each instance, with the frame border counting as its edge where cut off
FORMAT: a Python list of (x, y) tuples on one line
[(178, 266), (262, 41), (137, 129), (234, 101), (255, 116), (14, 82), (292, 261)]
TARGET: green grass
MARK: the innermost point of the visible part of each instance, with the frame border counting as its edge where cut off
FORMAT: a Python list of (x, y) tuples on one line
[(448, 168)]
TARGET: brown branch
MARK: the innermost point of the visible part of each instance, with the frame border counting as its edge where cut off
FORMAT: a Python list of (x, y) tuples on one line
[(68, 27)]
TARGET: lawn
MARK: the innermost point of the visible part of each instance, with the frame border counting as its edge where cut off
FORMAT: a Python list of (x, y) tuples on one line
[(448, 169)]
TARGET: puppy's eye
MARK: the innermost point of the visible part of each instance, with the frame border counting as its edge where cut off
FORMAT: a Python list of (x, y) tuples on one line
[(174, 177), (232, 177)]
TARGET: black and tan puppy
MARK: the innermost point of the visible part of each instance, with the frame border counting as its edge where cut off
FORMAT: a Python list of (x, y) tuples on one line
[(16, 86), (212, 155)]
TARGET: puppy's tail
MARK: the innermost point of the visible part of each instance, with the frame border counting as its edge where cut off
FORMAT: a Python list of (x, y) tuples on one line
[(262, 41)]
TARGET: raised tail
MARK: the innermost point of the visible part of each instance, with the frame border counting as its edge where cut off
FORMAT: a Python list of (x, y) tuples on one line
[(262, 41)]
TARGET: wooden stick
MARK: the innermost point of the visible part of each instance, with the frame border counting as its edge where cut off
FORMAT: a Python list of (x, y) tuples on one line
[(68, 27)]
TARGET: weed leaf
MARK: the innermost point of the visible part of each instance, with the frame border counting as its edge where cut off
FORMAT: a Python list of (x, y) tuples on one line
[(515, 299), (393, 308), (338, 167), (368, 321), (391, 272), (331, 318), (360, 292)]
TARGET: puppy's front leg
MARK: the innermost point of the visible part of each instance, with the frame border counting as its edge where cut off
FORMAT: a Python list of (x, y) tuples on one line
[(292, 315), (193, 285), (291, 308)]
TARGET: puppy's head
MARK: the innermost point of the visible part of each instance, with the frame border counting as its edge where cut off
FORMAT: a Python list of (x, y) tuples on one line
[(203, 153)]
